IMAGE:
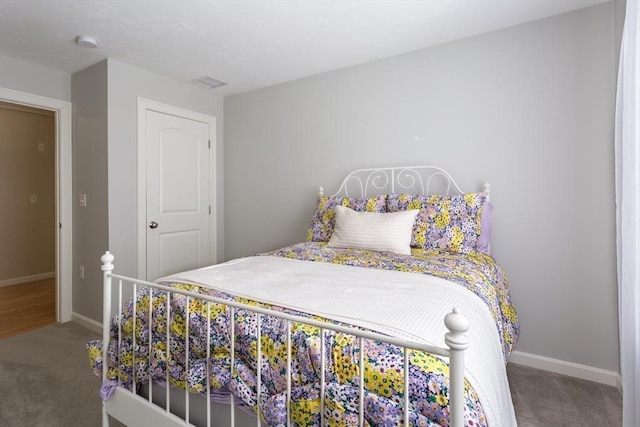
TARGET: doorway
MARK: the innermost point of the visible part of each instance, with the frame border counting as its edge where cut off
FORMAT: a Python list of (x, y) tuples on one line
[(62, 224), (27, 218)]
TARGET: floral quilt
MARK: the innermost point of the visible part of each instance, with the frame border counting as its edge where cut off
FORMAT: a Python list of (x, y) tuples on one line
[(476, 271), (137, 354)]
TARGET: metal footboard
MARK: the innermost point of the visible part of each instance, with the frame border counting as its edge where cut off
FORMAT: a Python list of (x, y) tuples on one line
[(134, 410)]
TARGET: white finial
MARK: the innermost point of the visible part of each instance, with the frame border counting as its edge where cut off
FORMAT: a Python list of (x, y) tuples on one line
[(457, 325), (107, 261), (456, 322), (321, 191)]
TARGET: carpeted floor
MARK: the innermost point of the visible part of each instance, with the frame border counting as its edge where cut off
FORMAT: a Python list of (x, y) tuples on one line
[(45, 381), (545, 399)]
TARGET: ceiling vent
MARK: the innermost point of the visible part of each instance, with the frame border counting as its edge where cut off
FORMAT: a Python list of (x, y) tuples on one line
[(208, 82)]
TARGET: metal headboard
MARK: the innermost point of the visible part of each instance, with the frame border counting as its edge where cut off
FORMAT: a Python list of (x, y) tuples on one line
[(409, 179)]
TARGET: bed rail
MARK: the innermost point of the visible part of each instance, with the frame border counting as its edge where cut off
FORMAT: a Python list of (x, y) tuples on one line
[(132, 409)]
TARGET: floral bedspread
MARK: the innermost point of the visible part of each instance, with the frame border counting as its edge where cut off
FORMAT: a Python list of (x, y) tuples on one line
[(476, 271), (128, 356)]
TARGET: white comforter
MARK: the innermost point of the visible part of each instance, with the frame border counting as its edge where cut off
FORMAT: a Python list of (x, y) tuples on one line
[(377, 300)]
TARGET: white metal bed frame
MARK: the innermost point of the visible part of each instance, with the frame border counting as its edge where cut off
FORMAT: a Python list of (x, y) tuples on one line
[(135, 410)]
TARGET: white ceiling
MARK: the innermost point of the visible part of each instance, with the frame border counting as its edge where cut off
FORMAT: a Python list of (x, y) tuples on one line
[(249, 43)]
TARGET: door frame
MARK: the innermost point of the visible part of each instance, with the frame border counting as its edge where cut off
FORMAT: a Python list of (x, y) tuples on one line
[(145, 105), (64, 205)]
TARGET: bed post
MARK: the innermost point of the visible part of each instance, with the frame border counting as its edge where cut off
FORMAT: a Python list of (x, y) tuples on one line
[(457, 342), (107, 267), (487, 189)]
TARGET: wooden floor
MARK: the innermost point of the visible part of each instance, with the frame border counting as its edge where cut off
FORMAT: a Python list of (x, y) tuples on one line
[(27, 306)]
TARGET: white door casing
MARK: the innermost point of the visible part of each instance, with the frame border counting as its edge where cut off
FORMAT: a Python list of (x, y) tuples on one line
[(176, 181), (64, 234)]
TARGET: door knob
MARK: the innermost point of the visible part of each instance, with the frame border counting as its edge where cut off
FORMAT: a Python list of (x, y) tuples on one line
[(153, 224)]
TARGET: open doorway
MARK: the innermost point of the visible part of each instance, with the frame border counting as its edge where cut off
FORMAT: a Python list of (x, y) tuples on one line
[(62, 224), (27, 218)]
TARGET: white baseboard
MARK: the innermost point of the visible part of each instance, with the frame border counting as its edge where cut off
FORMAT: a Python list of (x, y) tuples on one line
[(27, 279), (86, 322), (567, 368)]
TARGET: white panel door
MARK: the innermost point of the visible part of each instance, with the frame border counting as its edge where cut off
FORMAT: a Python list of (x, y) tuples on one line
[(178, 193)]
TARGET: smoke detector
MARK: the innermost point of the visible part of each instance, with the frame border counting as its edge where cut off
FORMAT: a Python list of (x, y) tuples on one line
[(86, 41)]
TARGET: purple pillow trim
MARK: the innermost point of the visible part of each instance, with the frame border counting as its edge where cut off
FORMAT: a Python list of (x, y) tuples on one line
[(485, 228)]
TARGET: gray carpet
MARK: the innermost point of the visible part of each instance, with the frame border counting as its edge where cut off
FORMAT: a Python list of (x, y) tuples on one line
[(542, 398), (46, 381)]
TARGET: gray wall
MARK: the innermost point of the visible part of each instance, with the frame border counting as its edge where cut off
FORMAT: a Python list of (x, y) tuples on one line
[(126, 84), (90, 223), (34, 79), (105, 99), (528, 108)]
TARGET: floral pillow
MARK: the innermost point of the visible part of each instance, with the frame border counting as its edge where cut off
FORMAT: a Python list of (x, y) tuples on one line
[(452, 223), (324, 219)]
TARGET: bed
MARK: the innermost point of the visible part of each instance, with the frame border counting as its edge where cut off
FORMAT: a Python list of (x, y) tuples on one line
[(392, 312)]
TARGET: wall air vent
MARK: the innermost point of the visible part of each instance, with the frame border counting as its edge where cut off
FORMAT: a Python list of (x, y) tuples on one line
[(208, 82)]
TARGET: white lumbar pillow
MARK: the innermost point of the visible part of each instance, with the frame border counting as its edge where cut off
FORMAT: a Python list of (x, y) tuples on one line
[(385, 232)]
